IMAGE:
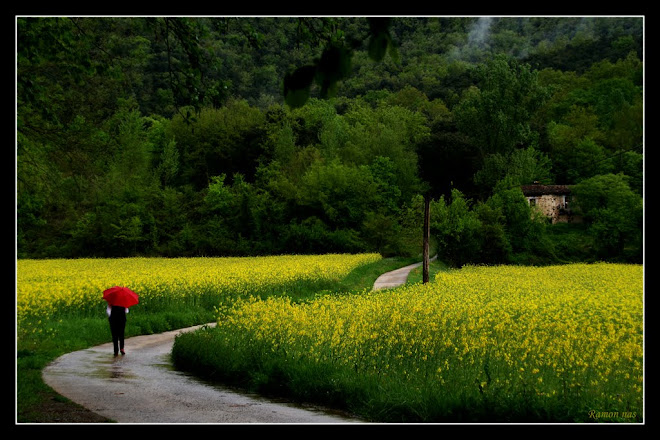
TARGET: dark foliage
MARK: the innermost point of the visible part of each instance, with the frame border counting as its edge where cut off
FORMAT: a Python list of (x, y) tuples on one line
[(240, 136)]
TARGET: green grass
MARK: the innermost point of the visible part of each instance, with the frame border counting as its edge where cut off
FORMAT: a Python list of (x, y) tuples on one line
[(36, 350), (364, 277), (435, 266)]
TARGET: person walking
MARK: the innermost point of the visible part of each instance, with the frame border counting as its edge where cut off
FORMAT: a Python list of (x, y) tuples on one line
[(119, 299), (117, 318)]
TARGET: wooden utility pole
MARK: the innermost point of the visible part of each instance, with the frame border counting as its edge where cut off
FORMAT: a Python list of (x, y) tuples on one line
[(427, 235)]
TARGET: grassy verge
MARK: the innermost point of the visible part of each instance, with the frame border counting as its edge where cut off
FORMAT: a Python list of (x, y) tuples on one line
[(364, 277), (435, 266), (51, 338)]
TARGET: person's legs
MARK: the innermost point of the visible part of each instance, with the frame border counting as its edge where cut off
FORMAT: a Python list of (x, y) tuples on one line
[(117, 326), (121, 326), (115, 335)]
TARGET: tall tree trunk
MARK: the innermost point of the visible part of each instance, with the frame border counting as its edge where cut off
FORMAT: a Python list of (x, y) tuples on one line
[(427, 235)]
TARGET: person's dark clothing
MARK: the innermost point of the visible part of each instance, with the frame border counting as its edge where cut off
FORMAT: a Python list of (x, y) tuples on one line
[(117, 320)]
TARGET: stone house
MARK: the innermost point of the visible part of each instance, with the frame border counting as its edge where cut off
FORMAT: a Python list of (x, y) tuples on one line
[(555, 201)]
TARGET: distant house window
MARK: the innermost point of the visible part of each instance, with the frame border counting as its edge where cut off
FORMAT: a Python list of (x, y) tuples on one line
[(532, 201)]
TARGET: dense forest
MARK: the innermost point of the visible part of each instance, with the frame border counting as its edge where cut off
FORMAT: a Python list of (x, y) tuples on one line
[(222, 136)]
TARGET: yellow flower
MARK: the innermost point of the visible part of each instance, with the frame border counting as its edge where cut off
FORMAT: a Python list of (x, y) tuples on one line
[(550, 326)]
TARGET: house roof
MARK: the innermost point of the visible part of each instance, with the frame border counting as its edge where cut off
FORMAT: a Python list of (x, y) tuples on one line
[(539, 190)]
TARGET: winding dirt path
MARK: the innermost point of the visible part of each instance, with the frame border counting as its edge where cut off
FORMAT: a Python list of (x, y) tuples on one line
[(142, 387)]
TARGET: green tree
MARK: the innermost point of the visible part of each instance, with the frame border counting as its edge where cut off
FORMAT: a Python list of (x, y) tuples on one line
[(339, 194), (214, 141), (497, 114), (614, 213), (495, 246), (457, 229), (334, 63), (391, 132), (577, 159), (173, 211), (115, 220), (521, 166), (524, 227)]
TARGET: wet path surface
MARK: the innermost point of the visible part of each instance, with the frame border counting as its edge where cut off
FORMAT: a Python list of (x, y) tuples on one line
[(143, 387)]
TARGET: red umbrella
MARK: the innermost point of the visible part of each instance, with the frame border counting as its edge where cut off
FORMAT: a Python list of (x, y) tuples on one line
[(120, 296)]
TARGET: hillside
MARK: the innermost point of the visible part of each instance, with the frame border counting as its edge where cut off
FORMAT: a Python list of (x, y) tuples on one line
[(241, 136)]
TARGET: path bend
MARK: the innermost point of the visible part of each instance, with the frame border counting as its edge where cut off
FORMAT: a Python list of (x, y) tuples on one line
[(143, 387), (396, 277)]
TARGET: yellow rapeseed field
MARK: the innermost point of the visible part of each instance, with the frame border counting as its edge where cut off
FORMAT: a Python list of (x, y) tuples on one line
[(47, 287), (570, 333)]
